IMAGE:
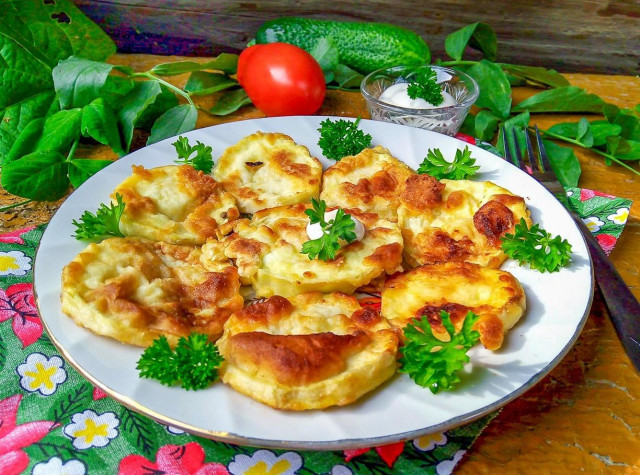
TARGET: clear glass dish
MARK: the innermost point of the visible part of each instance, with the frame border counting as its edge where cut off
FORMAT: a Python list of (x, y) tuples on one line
[(446, 120)]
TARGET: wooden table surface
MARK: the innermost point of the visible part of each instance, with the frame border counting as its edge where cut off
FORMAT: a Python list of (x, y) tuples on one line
[(585, 415)]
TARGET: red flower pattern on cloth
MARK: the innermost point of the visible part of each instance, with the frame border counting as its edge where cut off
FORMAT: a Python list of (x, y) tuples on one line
[(15, 237), (607, 242), (389, 453), (98, 394), (17, 302), (588, 194), (172, 460), (14, 438)]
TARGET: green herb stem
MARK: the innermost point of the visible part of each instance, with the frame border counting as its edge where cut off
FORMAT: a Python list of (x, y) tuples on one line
[(546, 133), (72, 151), (14, 205), (176, 89)]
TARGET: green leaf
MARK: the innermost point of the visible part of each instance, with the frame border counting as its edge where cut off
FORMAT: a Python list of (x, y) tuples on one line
[(225, 62), (327, 55), (584, 134), (347, 78), (495, 90), (133, 105), (78, 81), (175, 121), (175, 68), (230, 102), (564, 162), (600, 130), (15, 118), (629, 123), (60, 131), (615, 143), (562, 99), (486, 124), (538, 75), (163, 102), (201, 82), (85, 38), (40, 176), (26, 141), (81, 169), (104, 223), (477, 35), (631, 151), (99, 122), (115, 90)]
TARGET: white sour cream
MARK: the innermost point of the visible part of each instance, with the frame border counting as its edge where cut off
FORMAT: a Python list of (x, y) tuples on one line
[(397, 95), (314, 231)]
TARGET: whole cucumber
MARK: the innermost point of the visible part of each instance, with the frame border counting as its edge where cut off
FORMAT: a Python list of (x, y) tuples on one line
[(364, 47)]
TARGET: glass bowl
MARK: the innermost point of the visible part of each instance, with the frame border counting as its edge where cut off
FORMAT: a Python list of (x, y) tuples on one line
[(446, 120)]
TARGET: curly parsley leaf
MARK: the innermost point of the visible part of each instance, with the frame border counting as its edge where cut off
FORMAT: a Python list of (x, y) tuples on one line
[(432, 363), (424, 85), (341, 138), (202, 160), (194, 362), (537, 247), (101, 225), (462, 167), (339, 228)]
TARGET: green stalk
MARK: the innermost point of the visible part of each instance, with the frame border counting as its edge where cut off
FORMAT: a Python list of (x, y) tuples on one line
[(14, 205), (599, 152), (72, 151), (175, 89)]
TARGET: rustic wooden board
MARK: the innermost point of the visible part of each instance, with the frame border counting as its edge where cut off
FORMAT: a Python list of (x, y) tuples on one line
[(568, 35)]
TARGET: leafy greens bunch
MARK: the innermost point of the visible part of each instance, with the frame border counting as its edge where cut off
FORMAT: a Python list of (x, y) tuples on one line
[(616, 137), (55, 94)]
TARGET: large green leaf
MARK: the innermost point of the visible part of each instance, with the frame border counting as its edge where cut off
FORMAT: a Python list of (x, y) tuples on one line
[(83, 36), (495, 90), (78, 81), (562, 99), (15, 118), (175, 121), (477, 35), (81, 169), (40, 176), (99, 122), (202, 82), (546, 77), (133, 106), (60, 131), (564, 162), (230, 102)]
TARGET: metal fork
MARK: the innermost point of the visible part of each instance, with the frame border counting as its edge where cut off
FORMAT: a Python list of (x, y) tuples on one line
[(623, 307)]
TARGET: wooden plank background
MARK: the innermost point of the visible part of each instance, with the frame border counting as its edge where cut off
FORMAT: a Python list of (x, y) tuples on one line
[(569, 35)]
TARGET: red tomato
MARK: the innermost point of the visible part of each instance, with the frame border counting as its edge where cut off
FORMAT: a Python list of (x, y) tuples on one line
[(281, 79)]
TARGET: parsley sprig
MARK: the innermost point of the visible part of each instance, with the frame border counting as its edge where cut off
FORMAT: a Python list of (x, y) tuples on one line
[(537, 247), (423, 85), (462, 167), (194, 363), (341, 138), (432, 363), (339, 228), (202, 160), (104, 223)]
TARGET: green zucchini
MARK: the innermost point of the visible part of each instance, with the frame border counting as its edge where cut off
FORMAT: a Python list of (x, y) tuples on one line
[(364, 47)]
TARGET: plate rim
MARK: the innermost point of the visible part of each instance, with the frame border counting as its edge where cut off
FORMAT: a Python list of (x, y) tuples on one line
[(341, 444)]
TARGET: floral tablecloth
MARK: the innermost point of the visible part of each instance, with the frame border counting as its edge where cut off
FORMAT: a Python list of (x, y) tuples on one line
[(53, 421)]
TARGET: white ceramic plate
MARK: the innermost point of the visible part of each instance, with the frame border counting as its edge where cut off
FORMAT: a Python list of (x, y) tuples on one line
[(558, 305)]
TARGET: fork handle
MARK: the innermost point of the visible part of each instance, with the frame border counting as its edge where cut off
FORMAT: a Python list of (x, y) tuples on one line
[(624, 308)]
